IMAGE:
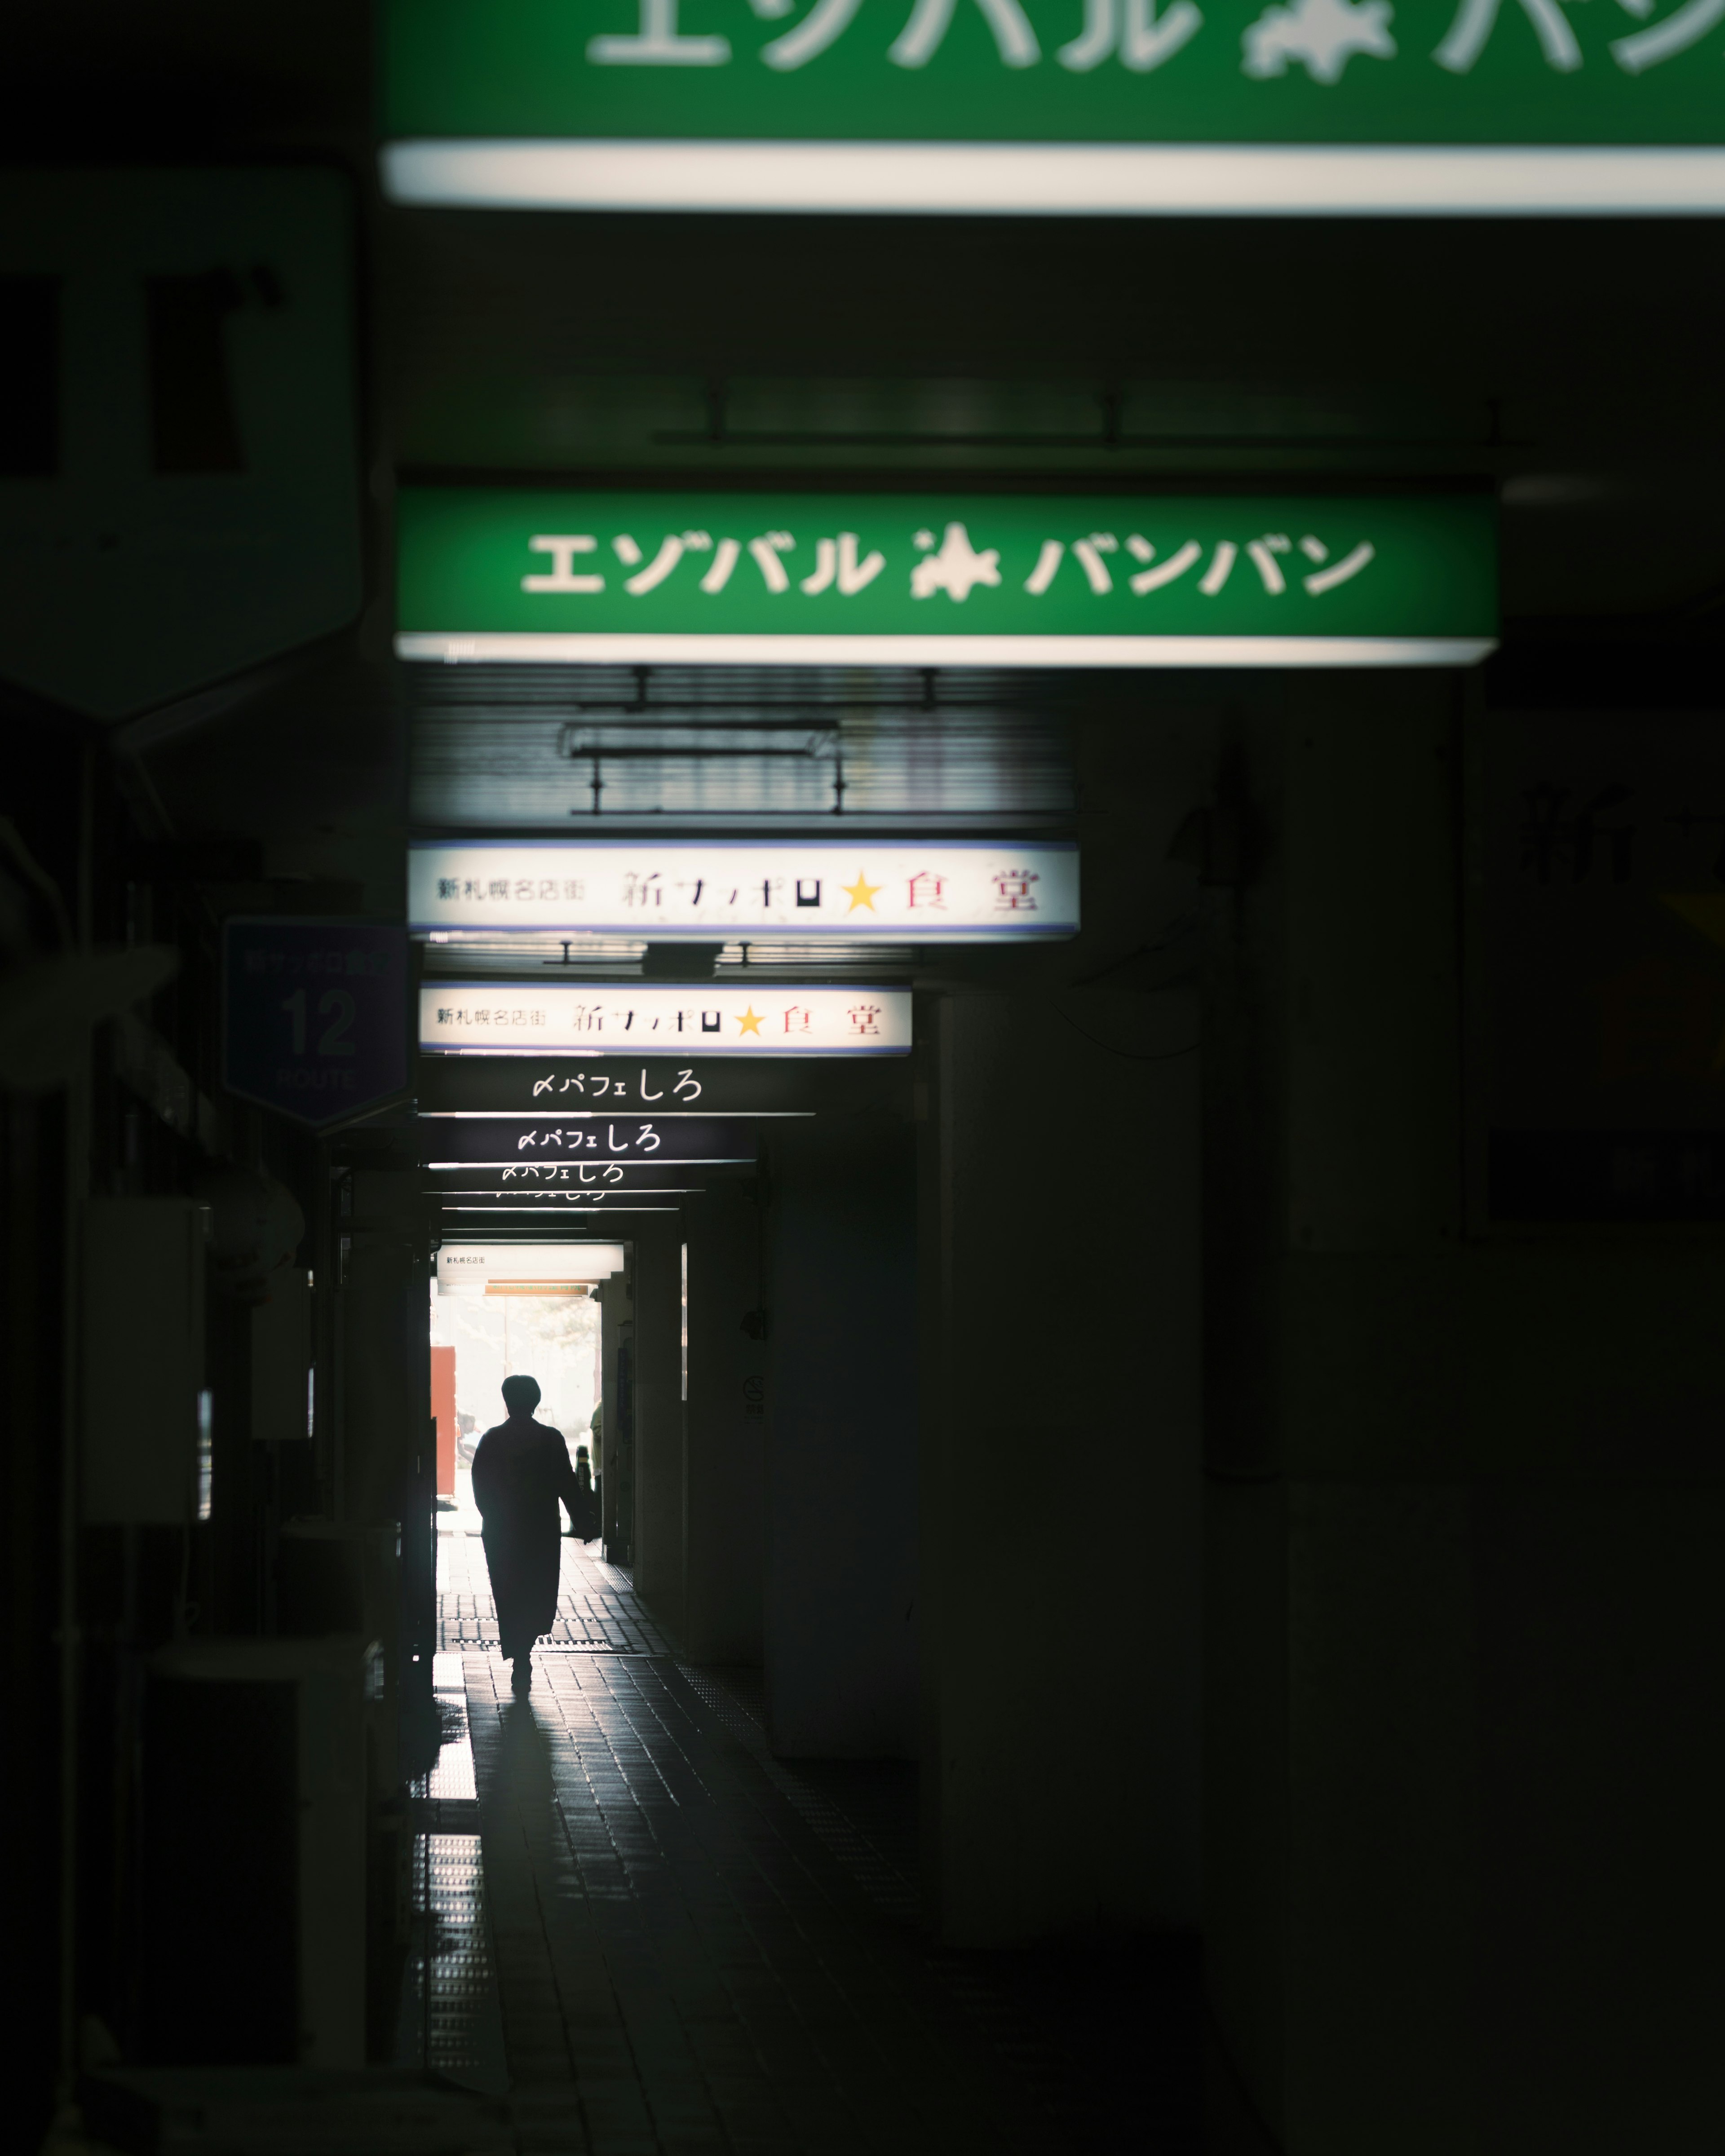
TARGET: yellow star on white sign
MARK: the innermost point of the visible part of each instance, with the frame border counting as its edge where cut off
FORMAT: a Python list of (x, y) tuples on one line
[(862, 892)]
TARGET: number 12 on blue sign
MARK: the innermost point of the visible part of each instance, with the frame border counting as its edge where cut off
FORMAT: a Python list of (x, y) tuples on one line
[(313, 1016), (334, 1003)]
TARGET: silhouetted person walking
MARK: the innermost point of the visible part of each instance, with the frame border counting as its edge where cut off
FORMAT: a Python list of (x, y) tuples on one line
[(520, 1470), (587, 1525)]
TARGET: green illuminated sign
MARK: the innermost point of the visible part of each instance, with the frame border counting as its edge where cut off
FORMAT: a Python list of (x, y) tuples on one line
[(1368, 72), (939, 577)]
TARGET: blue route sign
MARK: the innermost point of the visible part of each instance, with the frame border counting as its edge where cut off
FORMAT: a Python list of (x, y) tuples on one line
[(313, 1016)]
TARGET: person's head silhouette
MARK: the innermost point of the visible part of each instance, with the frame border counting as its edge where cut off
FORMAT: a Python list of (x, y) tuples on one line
[(520, 1396)]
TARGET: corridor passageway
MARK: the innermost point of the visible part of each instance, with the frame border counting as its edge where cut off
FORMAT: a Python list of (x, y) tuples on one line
[(664, 1941), (959, 771)]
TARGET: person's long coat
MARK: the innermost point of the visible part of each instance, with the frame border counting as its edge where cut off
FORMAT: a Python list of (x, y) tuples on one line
[(521, 1470)]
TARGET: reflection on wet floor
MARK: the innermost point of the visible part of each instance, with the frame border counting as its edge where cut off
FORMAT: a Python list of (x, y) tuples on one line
[(675, 1942)]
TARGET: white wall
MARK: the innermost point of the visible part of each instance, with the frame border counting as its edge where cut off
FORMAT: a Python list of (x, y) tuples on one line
[(554, 1338)]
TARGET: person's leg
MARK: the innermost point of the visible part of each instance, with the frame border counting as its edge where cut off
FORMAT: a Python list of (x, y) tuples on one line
[(516, 1644), (503, 1566)]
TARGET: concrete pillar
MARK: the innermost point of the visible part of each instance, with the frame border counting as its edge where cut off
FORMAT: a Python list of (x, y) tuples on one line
[(841, 1621), (1464, 1607), (659, 1554), (617, 1494), (1333, 1158), (386, 1373), (388, 1469), (1060, 1462), (726, 1427)]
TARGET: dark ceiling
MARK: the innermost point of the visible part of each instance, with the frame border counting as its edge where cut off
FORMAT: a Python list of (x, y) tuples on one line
[(1571, 366)]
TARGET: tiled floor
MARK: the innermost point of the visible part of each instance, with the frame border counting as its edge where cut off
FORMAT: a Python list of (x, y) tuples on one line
[(689, 1946), (596, 1605)]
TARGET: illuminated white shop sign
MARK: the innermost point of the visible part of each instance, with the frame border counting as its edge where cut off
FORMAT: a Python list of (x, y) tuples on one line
[(696, 1018), (466, 1268), (953, 890)]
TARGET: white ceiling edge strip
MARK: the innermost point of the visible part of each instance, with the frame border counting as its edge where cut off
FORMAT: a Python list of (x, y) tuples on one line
[(1061, 179), (548, 648)]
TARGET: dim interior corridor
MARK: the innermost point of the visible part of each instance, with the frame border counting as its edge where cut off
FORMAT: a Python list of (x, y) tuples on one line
[(645, 1935), (984, 801)]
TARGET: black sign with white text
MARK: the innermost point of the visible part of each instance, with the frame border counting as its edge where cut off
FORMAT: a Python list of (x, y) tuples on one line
[(713, 1086), (587, 1173), (593, 1140)]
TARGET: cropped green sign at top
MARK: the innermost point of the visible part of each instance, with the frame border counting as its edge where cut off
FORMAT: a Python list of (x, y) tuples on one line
[(1362, 107), (932, 579)]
